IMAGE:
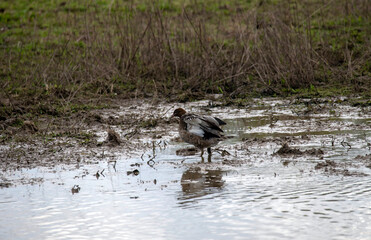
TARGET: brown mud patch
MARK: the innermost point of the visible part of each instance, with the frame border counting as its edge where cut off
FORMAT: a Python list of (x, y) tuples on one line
[(113, 138), (338, 168), (83, 137), (133, 128), (187, 151), (285, 150)]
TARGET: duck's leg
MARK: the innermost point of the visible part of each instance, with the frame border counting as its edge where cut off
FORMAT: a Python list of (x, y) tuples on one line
[(209, 154), (202, 152), (209, 158), (209, 151)]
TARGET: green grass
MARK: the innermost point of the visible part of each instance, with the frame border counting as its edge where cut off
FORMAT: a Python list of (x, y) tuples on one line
[(59, 52)]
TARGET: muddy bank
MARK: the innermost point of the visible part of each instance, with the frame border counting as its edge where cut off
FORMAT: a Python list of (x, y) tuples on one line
[(83, 137), (123, 171), (285, 128)]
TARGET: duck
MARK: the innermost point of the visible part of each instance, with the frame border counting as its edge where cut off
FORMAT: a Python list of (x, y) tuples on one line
[(200, 131)]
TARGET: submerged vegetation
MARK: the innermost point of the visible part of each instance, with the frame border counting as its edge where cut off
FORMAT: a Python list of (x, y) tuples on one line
[(56, 53)]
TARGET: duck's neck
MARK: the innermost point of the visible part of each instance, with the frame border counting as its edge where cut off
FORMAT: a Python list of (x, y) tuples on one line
[(182, 125)]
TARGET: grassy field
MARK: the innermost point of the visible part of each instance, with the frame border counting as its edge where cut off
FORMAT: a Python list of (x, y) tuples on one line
[(58, 56)]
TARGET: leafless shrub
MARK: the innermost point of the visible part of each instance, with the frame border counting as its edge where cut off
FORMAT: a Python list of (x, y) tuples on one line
[(141, 53)]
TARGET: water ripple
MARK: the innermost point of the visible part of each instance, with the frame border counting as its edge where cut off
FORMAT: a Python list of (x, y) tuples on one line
[(257, 199)]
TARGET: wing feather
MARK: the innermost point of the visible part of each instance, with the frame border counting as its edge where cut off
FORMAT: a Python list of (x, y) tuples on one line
[(203, 126)]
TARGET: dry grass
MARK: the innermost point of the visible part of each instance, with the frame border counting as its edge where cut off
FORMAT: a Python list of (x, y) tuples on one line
[(238, 50)]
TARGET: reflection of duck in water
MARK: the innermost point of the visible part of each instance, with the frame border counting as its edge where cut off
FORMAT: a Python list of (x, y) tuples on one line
[(196, 182), (200, 131)]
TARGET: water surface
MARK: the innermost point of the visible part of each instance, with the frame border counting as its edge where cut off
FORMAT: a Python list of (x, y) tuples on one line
[(250, 194)]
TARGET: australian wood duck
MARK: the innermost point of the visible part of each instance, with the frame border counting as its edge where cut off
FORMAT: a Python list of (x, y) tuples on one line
[(200, 131)]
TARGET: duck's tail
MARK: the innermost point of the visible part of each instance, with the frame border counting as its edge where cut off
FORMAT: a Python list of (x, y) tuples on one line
[(221, 122)]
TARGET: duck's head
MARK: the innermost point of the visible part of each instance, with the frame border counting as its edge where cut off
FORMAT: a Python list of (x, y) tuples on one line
[(178, 112)]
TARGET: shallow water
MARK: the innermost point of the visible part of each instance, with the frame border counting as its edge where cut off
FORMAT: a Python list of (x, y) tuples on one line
[(250, 194)]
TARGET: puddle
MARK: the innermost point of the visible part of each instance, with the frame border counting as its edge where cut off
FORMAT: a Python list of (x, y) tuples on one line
[(246, 192)]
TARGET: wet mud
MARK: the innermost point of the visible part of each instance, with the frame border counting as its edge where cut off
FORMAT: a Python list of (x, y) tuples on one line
[(276, 149), (134, 127)]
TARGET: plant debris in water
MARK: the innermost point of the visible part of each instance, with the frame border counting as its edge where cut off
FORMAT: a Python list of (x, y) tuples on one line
[(83, 138), (75, 189), (113, 138), (134, 172), (326, 164), (286, 150)]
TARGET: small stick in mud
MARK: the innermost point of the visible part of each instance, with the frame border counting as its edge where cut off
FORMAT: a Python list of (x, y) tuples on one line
[(163, 115), (114, 164), (151, 162), (222, 152), (343, 143)]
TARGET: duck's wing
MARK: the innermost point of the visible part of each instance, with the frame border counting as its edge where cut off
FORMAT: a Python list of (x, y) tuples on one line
[(203, 126), (215, 120)]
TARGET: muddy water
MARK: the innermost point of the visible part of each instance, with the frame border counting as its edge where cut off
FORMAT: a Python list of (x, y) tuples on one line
[(246, 191)]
